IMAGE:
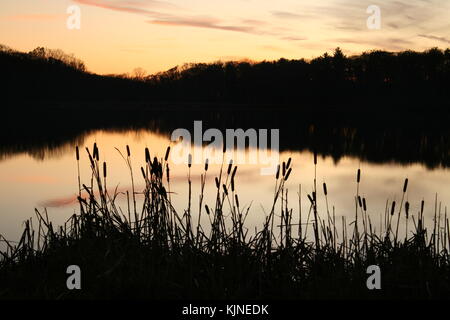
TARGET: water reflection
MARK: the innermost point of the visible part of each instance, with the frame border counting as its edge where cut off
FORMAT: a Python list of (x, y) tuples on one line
[(51, 181), (377, 140)]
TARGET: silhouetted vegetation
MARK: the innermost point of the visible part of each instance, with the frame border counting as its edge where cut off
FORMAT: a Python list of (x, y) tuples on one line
[(150, 250), (378, 106), (51, 75), (415, 138), (371, 77), (410, 79)]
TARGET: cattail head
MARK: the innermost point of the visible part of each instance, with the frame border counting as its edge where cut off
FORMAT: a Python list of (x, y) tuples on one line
[(147, 155), (284, 168), (207, 209), (128, 151), (234, 173), (232, 185), (393, 208), (230, 165), (167, 153), (358, 176), (315, 157), (206, 164), (288, 163), (168, 173), (325, 188), (314, 196), (405, 185), (310, 199), (407, 209), (77, 153), (96, 153), (217, 183), (278, 172), (104, 169), (288, 174), (237, 200), (422, 205), (364, 204), (359, 202), (225, 189), (143, 172), (189, 160)]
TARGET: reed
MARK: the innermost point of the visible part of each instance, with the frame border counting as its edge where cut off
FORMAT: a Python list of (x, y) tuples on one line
[(161, 254)]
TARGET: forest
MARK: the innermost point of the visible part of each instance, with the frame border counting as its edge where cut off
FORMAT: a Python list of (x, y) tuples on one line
[(408, 79)]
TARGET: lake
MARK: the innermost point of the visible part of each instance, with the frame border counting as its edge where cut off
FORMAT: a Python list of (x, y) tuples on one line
[(44, 176)]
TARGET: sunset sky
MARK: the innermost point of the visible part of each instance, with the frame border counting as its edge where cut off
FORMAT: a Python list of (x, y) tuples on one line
[(117, 36)]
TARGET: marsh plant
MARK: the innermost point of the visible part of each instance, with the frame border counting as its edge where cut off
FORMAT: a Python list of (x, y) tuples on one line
[(148, 249)]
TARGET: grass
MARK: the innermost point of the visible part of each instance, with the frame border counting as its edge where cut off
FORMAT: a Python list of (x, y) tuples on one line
[(149, 250)]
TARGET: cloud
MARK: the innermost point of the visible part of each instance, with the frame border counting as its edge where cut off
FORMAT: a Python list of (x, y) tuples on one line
[(294, 38), (209, 23), (136, 7), (35, 17), (431, 37), (289, 15)]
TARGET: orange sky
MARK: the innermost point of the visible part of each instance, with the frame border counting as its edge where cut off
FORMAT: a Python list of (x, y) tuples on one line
[(117, 36)]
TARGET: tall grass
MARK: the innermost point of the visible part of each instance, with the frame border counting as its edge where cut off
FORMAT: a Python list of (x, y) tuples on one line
[(149, 250)]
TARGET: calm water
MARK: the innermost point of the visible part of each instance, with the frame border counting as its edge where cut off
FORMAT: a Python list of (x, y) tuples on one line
[(47, 179)]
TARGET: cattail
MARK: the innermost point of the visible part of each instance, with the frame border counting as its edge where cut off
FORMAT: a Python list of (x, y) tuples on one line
[(207, 209), (104, 169), (206, 164), (232, 185), (96, 153), (310, 199), (359, 202), (288, 163), (287, 174), (143, 172), (90, 157), (225, 189), (405, 185), (167, 154), (284, 168), (393, 208), (77, 153), (315, 157), (237, 200), (407, 209), (278, 172), (234, 173), (168, 173), (325, 188), (230, 165), (358, 176), (217, 183), (314, 196), (190, 160), (147, 155), (128, 151), (364, 204), (421, 206)]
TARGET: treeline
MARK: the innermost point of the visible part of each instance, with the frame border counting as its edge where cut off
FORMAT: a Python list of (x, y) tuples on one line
[(372, 76), (378, 77), (52, 75)]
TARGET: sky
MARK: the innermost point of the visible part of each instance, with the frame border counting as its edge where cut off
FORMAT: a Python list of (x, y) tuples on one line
[(117, 36)]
